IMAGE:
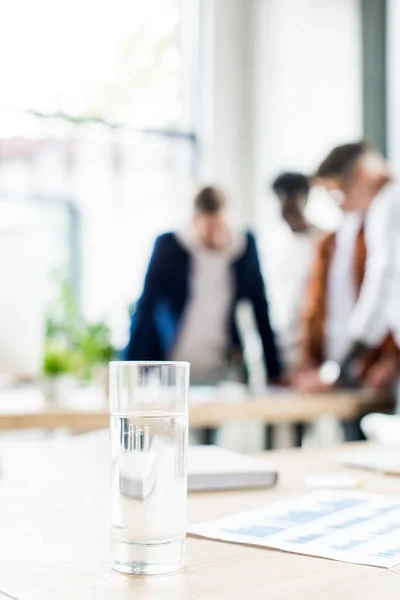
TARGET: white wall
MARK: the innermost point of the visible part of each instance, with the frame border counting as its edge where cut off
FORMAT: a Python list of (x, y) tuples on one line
[(285, 87), (393, 71), (225, 136), (308, 83)]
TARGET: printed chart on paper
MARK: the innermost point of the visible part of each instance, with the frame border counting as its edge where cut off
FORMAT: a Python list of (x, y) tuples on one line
[(351, 527)]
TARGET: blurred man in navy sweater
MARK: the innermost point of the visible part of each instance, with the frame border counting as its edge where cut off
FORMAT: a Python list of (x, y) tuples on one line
[(194, 281)]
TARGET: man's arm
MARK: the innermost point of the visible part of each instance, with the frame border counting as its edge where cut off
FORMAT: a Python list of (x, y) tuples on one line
[(369, 322), (142, 322), (260, 305), (312, 316)]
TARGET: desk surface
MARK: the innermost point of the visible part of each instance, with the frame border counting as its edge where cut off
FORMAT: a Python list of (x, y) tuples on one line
[(54, 542), (26, 409)]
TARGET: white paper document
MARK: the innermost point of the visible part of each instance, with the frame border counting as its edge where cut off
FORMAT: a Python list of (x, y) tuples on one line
[(373, 460), (347, 526)]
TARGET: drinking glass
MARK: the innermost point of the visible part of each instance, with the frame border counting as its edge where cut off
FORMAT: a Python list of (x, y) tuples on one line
[(149, 431)]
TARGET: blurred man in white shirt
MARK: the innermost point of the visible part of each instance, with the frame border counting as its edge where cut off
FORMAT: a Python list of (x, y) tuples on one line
[(359, 178)]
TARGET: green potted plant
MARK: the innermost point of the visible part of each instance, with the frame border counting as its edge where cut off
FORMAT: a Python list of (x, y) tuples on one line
[(59, 364), (75, 347), (96, 351)]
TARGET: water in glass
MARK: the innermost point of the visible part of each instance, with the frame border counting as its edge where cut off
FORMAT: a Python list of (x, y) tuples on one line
[(148, 471)]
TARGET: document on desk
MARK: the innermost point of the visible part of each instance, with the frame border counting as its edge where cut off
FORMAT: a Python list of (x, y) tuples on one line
[(351, 527)]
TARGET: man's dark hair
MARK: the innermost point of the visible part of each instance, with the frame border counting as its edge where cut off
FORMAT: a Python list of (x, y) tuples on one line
[(341, 159), (210, 200), (291, 184)]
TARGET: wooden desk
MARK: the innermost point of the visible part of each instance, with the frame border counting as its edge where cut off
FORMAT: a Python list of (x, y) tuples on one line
[(274, 408), (290, 407), (54, 539)]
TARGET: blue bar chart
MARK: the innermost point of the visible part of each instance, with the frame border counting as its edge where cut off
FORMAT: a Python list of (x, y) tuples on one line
[(345, 526)]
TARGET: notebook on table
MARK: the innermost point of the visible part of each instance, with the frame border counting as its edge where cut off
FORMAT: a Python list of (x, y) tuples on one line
[(209, 468), (213, 468)]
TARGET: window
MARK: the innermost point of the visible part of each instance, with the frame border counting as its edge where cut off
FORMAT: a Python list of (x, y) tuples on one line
[(109, 60), (98, 113)]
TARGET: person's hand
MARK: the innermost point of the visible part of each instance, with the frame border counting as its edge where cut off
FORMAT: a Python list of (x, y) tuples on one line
[(309, 381), (382, 375), (298, 372), (279, 382)]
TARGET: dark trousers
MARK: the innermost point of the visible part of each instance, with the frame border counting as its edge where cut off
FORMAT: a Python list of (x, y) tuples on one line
[(270, 432), (352, 431), (208, 435)]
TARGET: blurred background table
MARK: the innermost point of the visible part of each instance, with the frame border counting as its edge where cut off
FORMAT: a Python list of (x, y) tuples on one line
[(26, 408)]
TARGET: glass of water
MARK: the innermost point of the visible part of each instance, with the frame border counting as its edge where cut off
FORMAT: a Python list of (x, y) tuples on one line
[(149, 431)]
